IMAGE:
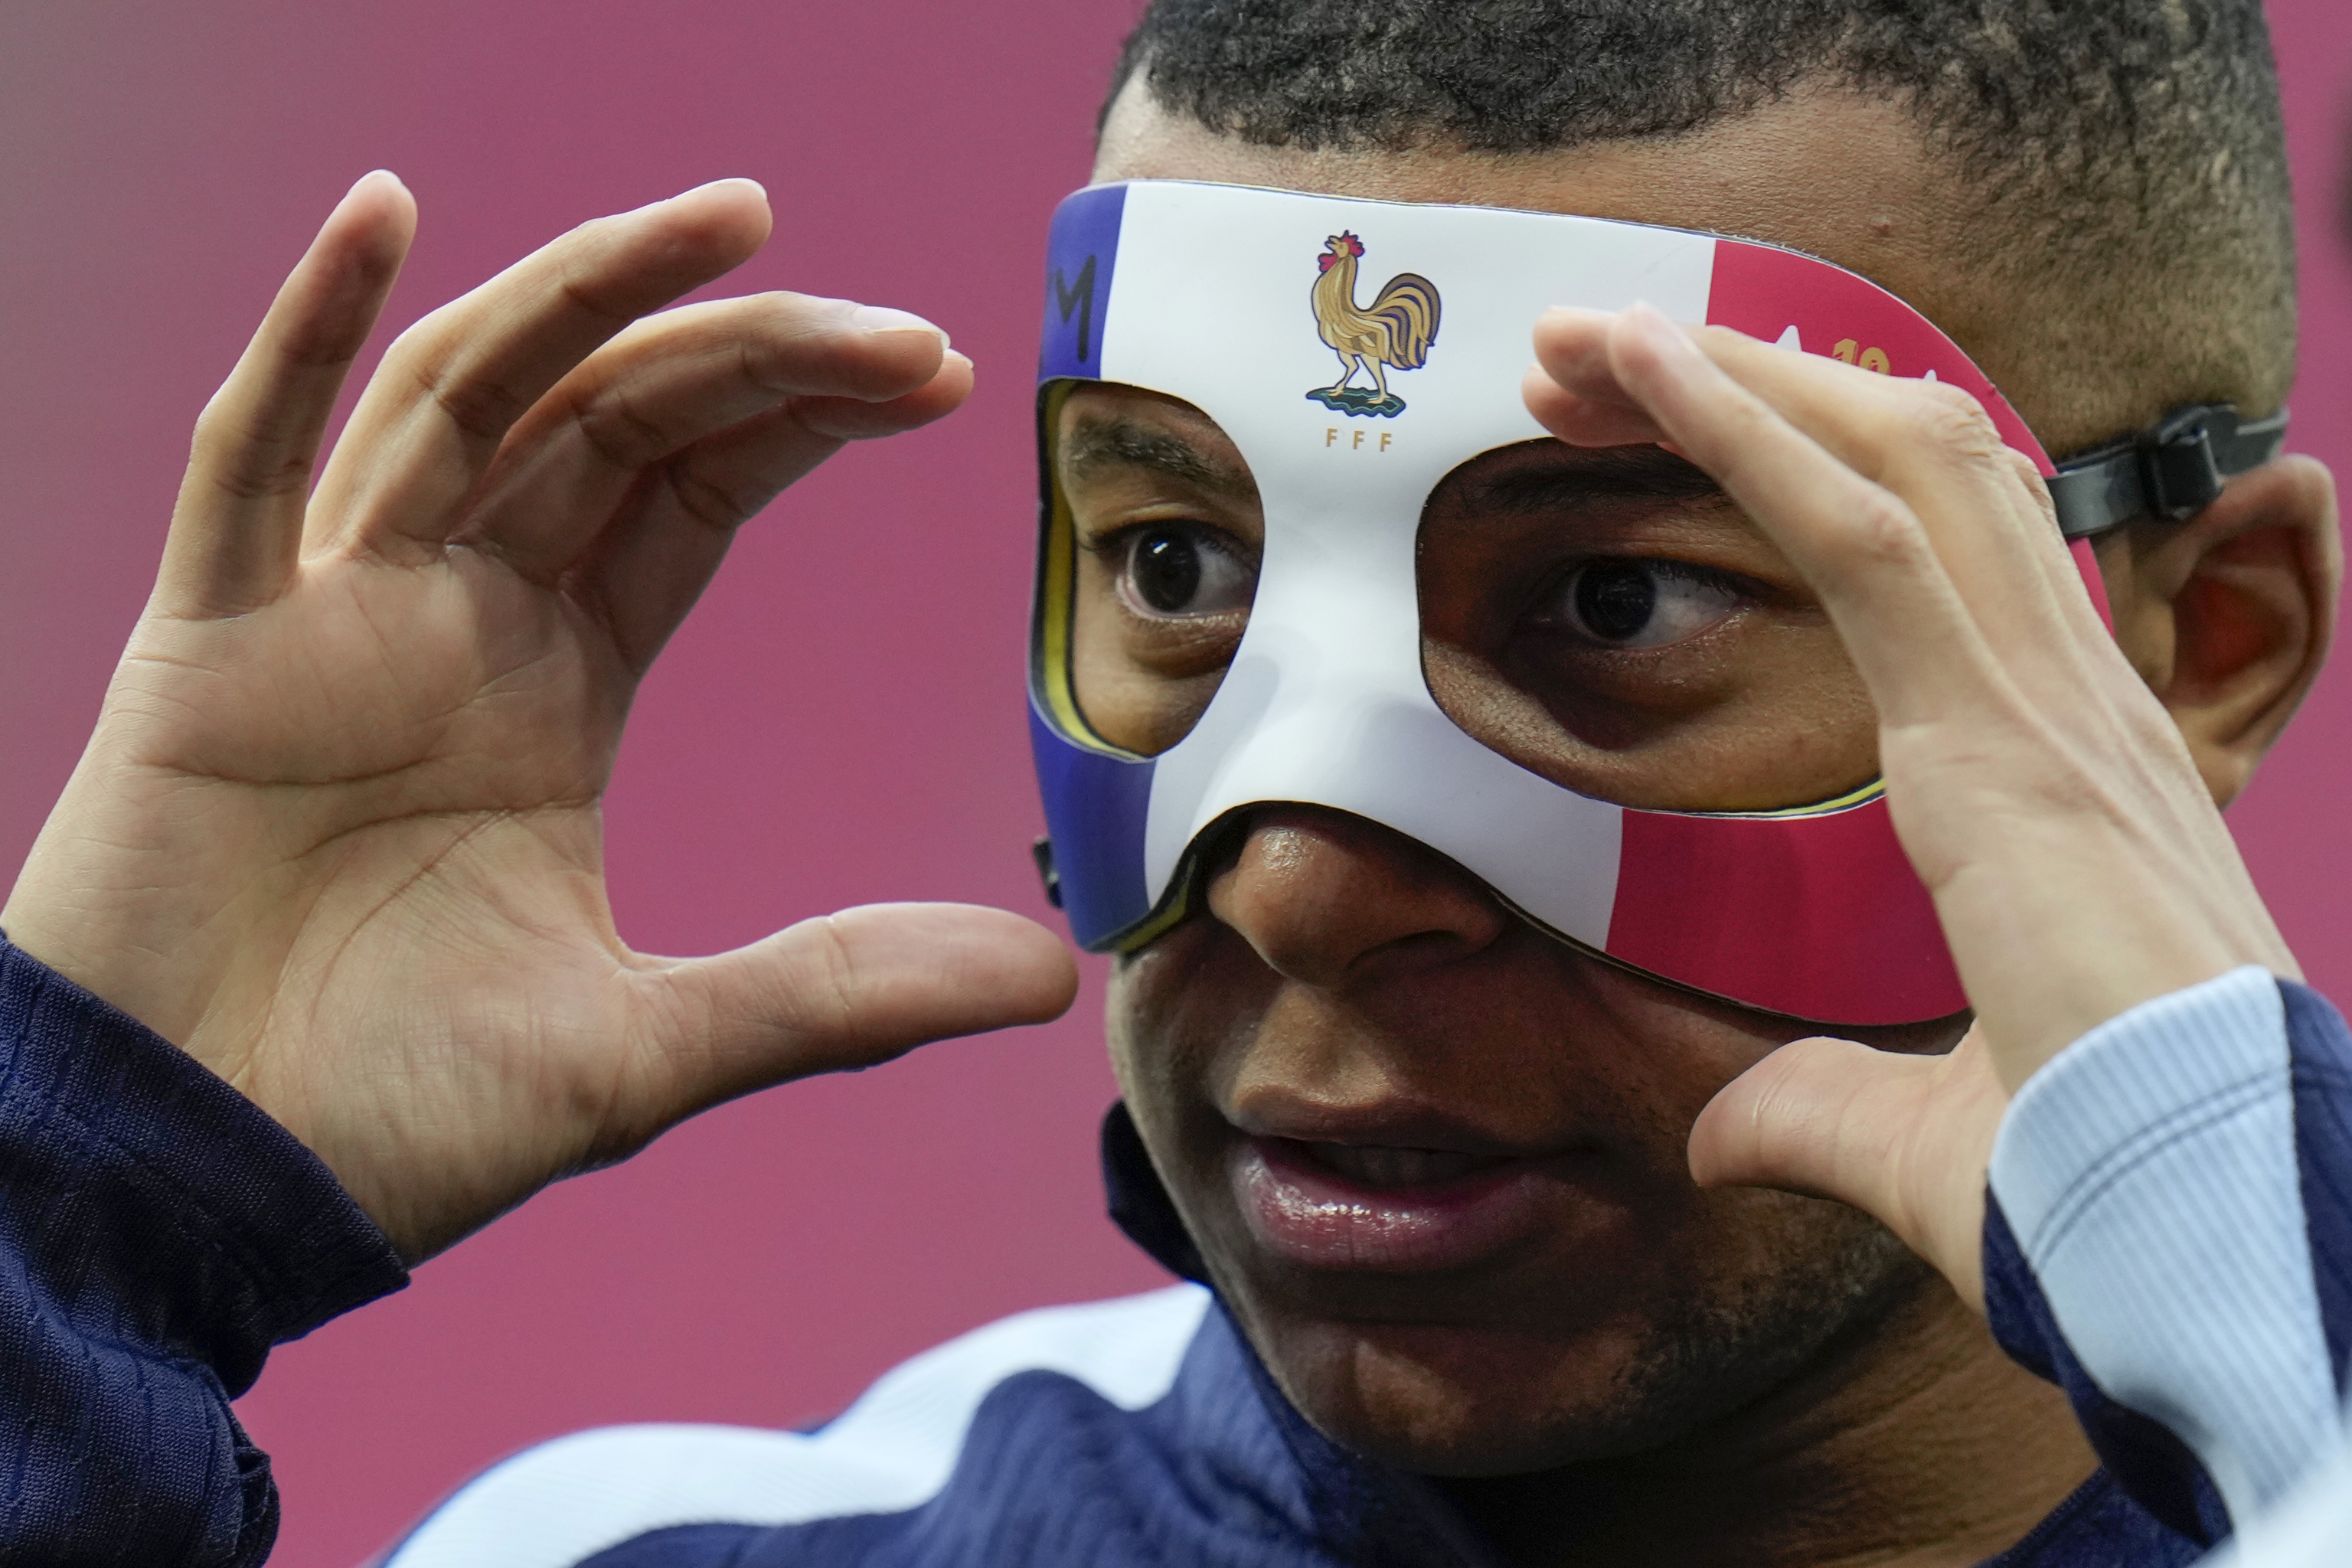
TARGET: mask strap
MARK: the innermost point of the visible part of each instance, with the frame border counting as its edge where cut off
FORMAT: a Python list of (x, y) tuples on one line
[(2172, 469)]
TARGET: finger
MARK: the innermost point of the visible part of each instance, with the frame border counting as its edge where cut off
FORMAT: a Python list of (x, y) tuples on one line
[(652, 561), (438, 409), (1905, 1139), (667, 382), (849, 990), (1981, 505), (1571, 347), (1860, 548), (238, 525), (856, 419), (1582, 421)]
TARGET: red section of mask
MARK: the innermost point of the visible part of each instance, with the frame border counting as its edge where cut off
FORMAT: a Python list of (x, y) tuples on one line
[(1768, 293), (1821, 917), (1765, 292)]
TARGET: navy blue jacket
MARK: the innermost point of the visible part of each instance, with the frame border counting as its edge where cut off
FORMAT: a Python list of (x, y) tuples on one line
[(158, 1233)]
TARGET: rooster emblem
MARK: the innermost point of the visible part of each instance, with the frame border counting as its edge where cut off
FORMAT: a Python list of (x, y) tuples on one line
[(1396, 329)]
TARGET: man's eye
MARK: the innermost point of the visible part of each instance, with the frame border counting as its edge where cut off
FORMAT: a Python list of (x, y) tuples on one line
[(1638, 604), (1171, 570)]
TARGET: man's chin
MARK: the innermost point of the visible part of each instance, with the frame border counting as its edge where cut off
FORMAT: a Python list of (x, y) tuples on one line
[(1486, 1398), (1467, 1401)]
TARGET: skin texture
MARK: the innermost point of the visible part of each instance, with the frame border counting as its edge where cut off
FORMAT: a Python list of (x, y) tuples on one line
[(1651, 1369)]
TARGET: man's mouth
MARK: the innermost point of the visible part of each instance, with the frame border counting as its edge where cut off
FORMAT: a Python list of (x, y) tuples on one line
[(1370, 1165), (1382, 1207)]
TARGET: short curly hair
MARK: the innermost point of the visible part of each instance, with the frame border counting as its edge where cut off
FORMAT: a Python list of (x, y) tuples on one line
[(2126, 157)]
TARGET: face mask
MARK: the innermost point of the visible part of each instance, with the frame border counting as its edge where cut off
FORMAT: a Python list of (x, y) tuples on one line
[(1304, 543)]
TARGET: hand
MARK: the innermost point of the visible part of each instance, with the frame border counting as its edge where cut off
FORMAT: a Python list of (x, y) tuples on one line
[(337, 831), (2078, 864)]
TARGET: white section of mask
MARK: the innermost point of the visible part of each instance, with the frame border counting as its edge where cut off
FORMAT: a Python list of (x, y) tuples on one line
[(1326, 702)]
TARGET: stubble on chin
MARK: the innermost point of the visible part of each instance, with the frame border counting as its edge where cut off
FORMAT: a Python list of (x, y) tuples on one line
[(1684, 1364), (1710, 1355)]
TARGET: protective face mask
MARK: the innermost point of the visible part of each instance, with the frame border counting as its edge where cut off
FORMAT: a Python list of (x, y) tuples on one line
[(1302, 542)]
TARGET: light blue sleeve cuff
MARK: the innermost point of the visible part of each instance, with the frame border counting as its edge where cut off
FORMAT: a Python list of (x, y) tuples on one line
[(2149, 1172), (2312, 1528)]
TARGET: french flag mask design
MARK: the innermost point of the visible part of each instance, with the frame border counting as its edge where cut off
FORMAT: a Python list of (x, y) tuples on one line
[(1356, 353)]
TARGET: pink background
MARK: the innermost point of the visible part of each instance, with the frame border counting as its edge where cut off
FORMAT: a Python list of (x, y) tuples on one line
[(839, 722)]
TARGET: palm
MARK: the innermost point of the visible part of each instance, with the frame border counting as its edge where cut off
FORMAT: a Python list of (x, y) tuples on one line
[(338, 831), (386, 784)]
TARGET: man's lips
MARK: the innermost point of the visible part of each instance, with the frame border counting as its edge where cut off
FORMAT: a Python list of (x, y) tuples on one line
[(1386, 1208)]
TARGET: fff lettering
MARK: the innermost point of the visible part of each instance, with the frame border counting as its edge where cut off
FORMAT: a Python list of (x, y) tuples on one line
[(1356, 437)]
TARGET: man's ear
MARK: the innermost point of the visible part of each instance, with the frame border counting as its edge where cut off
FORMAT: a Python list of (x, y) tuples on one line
[(2228, 616)]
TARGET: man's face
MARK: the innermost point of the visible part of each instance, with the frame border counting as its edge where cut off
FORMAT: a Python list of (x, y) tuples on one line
[(1436, 1159)]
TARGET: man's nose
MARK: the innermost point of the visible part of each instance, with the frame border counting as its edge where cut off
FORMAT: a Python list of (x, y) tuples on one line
[(1330, 900)]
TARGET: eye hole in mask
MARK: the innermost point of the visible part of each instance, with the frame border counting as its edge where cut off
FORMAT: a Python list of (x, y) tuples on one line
[(1151, 562), (1608, 620)]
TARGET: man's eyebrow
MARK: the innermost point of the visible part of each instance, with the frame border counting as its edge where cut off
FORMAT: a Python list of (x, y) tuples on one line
[(1094, 444), (1568, 476)]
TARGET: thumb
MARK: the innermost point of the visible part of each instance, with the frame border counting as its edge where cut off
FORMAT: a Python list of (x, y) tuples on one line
[(1905, 1139), (847, 990)]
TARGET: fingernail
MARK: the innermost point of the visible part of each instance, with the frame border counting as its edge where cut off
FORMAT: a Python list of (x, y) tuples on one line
[(882, 318), (1653, 323), (709, 184)]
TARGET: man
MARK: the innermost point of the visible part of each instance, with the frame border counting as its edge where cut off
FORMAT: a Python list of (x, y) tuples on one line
[(337, 839)]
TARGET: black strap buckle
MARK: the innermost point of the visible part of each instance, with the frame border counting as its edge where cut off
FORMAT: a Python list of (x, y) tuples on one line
[(2173, 469), (1042, 852)]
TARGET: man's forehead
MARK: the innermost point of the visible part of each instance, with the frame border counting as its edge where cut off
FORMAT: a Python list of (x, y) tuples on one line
[(1823, 168)]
